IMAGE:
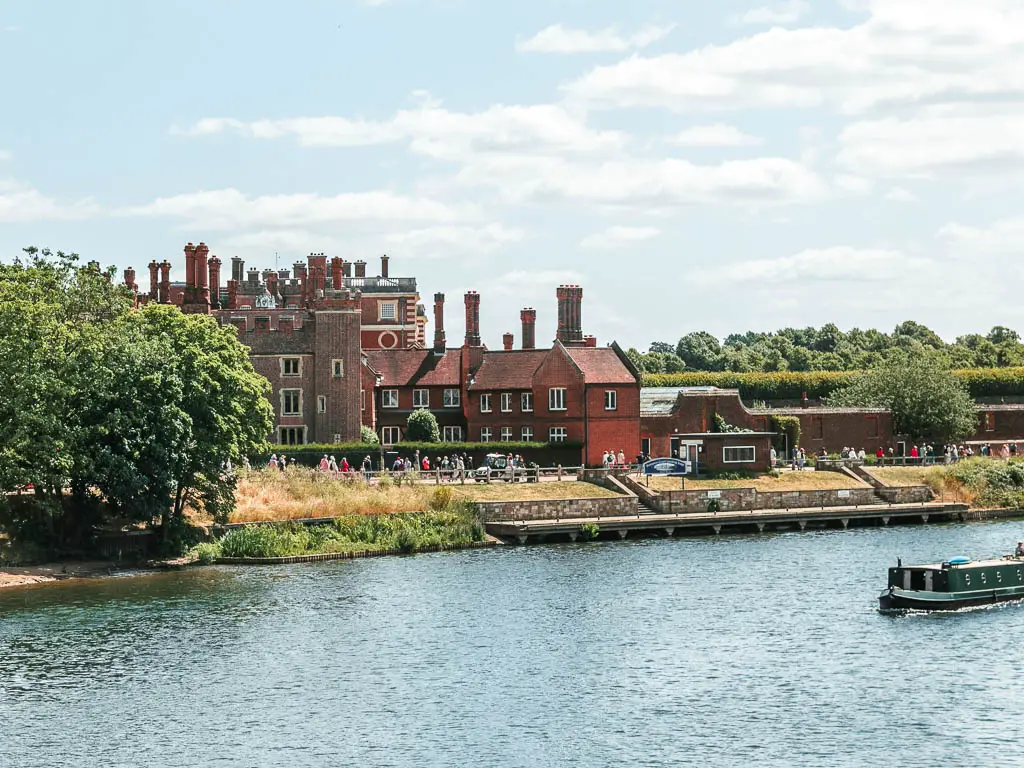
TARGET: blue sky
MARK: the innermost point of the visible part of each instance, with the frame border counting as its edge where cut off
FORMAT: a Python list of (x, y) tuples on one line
[(693, 164)]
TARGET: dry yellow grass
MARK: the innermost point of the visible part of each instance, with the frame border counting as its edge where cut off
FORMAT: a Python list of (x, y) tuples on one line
[(902, 476), (300, 493), (946, 489), (787, 481), (530, 491)]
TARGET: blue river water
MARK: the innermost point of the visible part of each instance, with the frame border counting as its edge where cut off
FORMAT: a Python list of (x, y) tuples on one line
[(762, 650)]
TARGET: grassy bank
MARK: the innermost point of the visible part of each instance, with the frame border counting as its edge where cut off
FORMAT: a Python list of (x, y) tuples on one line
[(786, 481), (302, 494), (353, 533), (981, 483)]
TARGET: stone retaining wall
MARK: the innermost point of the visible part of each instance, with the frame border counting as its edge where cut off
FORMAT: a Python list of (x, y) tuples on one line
[(732, 499), (911, 494), (555, 509)]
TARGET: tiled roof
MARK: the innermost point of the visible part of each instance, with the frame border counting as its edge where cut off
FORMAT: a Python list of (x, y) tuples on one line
[(416, 367), (661, 401), (508, 370), (600, 365)]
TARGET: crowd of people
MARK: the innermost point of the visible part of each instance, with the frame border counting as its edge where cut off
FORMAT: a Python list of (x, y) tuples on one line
[(613, 460)]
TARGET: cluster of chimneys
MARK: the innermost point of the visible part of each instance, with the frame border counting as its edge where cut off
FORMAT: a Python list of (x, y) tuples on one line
[(570, 321)]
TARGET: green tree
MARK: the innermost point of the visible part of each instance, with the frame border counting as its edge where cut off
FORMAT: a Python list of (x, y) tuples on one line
[(700, 351), (367, 435), (926, 400), (422, 427)]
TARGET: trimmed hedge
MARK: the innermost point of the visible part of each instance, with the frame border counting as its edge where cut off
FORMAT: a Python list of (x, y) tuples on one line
[(981, 382)]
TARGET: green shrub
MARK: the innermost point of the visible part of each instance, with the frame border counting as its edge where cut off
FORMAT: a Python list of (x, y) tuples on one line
[(207, 553), (368, 436), (421, 426), (442, 498), (589, 531)]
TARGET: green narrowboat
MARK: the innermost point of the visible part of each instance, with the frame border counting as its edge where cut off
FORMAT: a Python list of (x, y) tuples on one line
[(956, 583)]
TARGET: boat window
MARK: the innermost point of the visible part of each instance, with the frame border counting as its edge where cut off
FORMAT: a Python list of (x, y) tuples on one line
[(1018, 574), (999, 576), (967, 578), (983, 579)]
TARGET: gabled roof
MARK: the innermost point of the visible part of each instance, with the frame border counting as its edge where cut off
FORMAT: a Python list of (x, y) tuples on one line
[(416, 367), (600, 365), (508, 370)]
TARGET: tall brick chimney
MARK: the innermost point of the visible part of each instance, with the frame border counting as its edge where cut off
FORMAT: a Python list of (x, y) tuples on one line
[(129, 278), (237, 269), (507, 341), (570, 314), (154, 279), (202, 268), (215, 282), (165, 282), (440, 341), (529, 318), (190, 273), (473, 319), (384, 266), (337, 279), (346, 268), (299, 270), (360, 268)]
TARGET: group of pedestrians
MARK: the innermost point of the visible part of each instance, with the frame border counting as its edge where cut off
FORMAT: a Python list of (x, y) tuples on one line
[(613, 460)]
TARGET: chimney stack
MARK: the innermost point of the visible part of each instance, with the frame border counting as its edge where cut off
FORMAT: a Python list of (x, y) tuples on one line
[(529, 318), (190, 272), (508, 340), (570, 315), (165, 282), (154, 279), (129, 278), (215, 282), (202, 269), (384, 266), (440, 341), (346, 268), (590, 341), (473, 319), (237, 269), (337, 280), (360, 268)]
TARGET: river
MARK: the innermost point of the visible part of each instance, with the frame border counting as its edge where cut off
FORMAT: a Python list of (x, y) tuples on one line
[(765, 650)]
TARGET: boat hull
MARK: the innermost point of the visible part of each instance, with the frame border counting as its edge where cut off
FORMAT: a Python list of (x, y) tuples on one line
[(905, 600)]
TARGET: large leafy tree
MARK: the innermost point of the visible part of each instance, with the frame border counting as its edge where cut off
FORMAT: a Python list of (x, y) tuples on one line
[(927, 401), (422, 427)]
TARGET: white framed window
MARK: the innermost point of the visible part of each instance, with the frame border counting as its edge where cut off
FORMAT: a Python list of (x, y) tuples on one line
[(390, 435), (452, 398), (485, 403), (452, 434), (611, 400), (337, 368), (362, 399), (506, 434), (291, 435), (388, 310), (291, 366), (421, 398), (485, 434), (291, 402), (389, 398), (526, 402), (321, 403), (337, 437), (556, 399), (506, 402), (738, 454), (527, 434), (558, 435)]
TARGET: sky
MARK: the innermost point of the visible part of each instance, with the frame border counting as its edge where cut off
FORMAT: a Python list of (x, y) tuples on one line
[(719, 165)]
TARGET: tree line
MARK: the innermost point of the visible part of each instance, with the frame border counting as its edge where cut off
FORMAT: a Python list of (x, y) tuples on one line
[(828, 349), (112, 415)]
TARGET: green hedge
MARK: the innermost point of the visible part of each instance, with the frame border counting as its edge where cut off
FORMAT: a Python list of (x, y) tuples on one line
[(982, 382)]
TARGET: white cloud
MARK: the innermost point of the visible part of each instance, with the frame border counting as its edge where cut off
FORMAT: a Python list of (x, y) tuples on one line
[(4, 155), (443, 241), (856, 185), (21, 203), (436, 132), (839, 264), (645, 183), (1003, 237), (716, 135), (523, 283), (559, 39), (899, 55), (618, 237), (936, 141), (901, 195), (229, 209), (785, 12)]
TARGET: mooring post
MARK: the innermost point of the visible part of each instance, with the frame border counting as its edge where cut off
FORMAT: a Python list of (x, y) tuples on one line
[(623, 533), (522, 538), (572, 536), (803, 525), (885, 521), (717, 529), (760, 527), (669, 532), (846, 522)]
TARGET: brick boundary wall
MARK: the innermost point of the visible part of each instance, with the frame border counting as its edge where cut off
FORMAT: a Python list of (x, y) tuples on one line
[(555, 509)]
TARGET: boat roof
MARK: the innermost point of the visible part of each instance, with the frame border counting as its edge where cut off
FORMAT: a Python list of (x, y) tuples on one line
[(1007, 560)]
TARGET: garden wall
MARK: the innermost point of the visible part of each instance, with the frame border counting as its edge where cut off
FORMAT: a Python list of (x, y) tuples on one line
[(507, 511)]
